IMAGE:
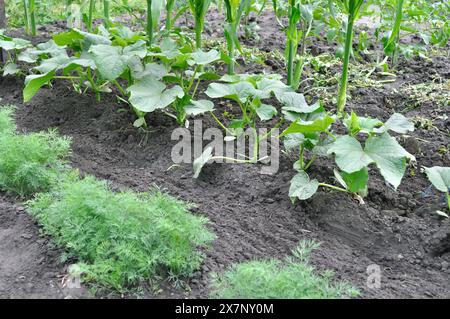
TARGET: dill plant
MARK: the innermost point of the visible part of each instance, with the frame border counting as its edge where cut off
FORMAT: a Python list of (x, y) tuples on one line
[(121, 238), (29, 162), (291, 278)]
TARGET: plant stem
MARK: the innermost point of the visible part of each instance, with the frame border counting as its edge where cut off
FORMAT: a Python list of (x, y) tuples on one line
[(90, 15), (169, 9), (106, 20), (291, 48), (33, 17), (220, 124), (25, 16), (334, 187), (342, 98), (149, 22), (198, 36), (121, 89), (310, 162)]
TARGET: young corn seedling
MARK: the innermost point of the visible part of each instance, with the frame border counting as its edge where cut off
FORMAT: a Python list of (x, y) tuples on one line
[(90, 17), (153, 13), (298, 14), (234, 10), (106, 17), (351, 8), (199, 8), (391, 44)]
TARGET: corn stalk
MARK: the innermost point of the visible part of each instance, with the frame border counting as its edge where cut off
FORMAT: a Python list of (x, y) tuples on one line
[(391, 45), (234, 10), (300, 23), (199, 8), (351, 8)]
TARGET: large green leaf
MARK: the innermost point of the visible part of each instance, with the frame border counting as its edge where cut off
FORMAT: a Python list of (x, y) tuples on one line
[(203, 58), (318, 125), (350, 156), (302, 187), (266, 112), (10, 69), (295, 102), (397, 123), (356, 181), (439, 177), (199, 107), (382, 150), (109, 60), (34, 82), (150, 94), (389, 157), (55, 63), (14, 44), (237, 91), (356, 124)]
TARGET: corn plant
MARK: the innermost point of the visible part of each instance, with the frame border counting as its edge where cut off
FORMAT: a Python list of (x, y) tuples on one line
[(29, 14), (199, 8), (106, 17), (298, 14), (351, 8), (90, 16), (2, 25), (391, 45), (234, 10), (153, 12)]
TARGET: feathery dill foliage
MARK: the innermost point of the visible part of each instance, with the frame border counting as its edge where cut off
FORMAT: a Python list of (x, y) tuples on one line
[(125, 237), (7, 125), (29, 162), (291, 278)]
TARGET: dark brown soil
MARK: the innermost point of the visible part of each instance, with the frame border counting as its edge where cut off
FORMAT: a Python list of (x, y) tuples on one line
[(250, 213)]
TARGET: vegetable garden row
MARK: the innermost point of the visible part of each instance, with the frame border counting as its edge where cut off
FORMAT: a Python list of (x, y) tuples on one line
[(160, 65)]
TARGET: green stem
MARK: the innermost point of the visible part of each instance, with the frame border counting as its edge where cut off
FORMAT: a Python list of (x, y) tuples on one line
[(90, 15), (25, 16), (342, 98), (106, 20), (33, 17), (334, 187), (230, 46), (310, 162), (302, 163), (169, 9), (149, 22), (198, 36), (232, 159), (220, 124), (66, 77), (121, 89)]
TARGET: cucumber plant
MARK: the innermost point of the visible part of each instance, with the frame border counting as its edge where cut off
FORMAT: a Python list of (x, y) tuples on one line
[(440, 178), (314, 133), (250, 93)]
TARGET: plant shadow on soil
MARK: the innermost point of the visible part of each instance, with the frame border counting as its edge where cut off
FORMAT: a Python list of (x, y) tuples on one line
[(251, 213)]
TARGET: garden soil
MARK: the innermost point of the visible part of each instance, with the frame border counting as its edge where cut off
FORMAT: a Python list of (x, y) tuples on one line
[(251, 214)]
